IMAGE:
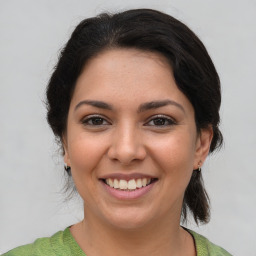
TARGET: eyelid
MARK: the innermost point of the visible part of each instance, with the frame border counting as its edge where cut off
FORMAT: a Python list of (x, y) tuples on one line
[(170, 119), (87, 118), (91, 116)]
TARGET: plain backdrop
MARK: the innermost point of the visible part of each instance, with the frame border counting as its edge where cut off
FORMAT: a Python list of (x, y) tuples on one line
[(31, 168)]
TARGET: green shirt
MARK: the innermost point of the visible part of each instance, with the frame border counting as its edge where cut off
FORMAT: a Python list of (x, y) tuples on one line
[(63, 244)]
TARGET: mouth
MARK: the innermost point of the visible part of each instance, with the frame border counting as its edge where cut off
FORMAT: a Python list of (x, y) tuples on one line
[(129, 185)]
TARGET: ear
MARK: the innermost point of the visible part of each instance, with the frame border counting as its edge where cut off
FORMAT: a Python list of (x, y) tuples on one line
[(65, 149), (203, 144)]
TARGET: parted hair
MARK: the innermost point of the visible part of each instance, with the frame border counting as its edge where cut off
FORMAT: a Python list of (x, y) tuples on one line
[(153, 31)]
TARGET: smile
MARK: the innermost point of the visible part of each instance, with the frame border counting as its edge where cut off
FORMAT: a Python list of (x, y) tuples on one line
[(129, 185)]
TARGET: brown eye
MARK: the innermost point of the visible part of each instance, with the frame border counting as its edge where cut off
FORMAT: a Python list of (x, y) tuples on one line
[(95, 121), (161, 121)]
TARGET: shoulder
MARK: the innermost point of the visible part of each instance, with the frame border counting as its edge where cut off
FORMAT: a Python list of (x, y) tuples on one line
[(61, 243), (205, 247)]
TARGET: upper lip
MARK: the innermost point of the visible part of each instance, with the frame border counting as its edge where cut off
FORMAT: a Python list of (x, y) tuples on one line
[(127, 176)]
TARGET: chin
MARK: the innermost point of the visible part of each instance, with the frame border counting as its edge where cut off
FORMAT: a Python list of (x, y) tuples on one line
[(128, 219)]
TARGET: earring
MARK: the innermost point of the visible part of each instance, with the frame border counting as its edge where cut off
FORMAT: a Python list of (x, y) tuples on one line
[(67, 168), (199, 166)]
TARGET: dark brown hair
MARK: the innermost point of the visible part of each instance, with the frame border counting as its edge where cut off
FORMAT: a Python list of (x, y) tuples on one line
[(153, 31)]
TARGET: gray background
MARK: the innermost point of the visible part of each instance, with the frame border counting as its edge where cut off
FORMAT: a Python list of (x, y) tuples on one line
[(31, 34)]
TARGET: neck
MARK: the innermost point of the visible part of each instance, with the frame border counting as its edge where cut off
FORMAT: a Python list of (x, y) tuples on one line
[(164, 237)]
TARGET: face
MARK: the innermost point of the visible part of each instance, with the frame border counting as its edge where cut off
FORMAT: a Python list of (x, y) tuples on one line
[(131, 139)]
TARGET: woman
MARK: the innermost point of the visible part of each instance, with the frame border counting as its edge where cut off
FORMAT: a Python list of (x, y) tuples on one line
[(134, 101)]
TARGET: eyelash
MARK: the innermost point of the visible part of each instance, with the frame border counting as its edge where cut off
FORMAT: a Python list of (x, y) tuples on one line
[(94, 117), (170, 121), (88, 121)]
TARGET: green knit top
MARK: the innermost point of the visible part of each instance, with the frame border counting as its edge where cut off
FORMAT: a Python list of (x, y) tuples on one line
[(63, 244)]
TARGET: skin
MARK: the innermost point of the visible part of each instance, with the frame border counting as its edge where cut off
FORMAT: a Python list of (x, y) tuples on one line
[(123, 140)]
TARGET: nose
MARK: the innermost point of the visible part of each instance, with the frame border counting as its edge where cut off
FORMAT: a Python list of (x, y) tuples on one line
[(126, 145)]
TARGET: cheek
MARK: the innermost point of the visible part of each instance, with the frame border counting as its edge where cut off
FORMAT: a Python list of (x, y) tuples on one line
[(175, 154), (84, 153), (174, 157)]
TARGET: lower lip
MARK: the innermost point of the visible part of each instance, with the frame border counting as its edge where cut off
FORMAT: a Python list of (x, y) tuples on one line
[(133, 194)]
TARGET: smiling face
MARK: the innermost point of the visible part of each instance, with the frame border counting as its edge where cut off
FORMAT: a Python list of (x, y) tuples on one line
[(131, 139)]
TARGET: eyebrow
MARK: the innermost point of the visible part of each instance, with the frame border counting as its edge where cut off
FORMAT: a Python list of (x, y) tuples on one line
[(95, 103), (158, 104), (143, 107)]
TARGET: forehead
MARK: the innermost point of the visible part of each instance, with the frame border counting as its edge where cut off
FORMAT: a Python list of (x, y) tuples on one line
[(127, 76)]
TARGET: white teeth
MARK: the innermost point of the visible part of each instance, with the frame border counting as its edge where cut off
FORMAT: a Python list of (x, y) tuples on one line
[(144, 182), (111, 183), (138, 183), (123, 184), (116, 183), (130, 185)]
